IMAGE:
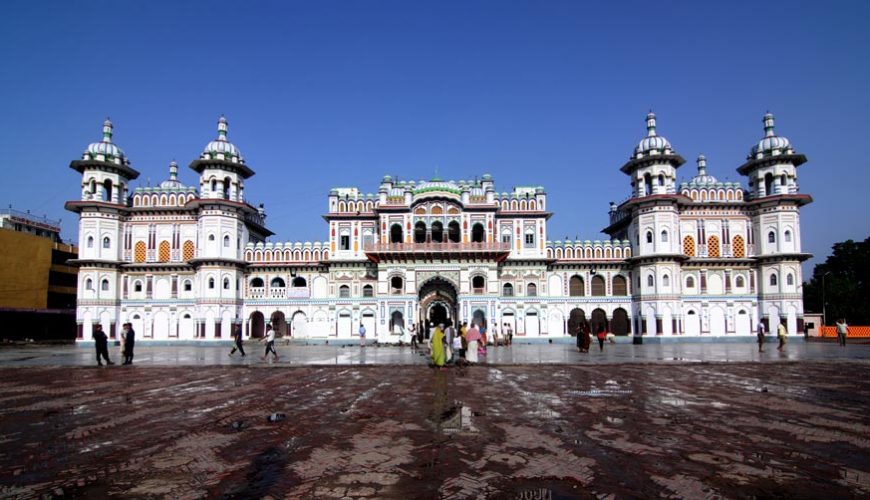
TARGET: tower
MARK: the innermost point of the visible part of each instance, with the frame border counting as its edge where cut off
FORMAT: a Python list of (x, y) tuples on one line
[(775, 200), (652, 225), (106, 174)]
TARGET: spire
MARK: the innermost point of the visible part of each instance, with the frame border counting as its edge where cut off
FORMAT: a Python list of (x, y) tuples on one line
[(173, 171), (107, 130), (651, 124), (702, 165), (222, 128), (768, 125)]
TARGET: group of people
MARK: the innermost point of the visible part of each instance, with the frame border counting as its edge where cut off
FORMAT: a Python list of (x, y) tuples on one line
[(101, 343), (465, 346), (583, 332)]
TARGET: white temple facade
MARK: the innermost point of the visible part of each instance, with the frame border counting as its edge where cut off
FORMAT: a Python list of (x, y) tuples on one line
[(698, 258)]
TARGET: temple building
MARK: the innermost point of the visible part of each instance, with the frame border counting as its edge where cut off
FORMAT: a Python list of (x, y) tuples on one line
[(695, 258)]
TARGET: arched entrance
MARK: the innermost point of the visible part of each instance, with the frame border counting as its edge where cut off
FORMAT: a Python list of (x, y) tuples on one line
[(598, 321), (437, 302), (575, 319), (620, 325), (256, 325), (299, 324), (479, 318), (279, 323)]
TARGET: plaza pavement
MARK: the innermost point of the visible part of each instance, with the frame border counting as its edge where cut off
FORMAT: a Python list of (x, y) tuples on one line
[(517, 354)]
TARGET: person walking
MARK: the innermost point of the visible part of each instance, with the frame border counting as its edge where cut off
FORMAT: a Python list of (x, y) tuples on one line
[(270, 343), (101, 343), (362, 335), (439, 355), (472, 337), (842, 332), (449, 333), (509, 334), (602, 336), (583, 336), (237, 338), (760, 334), (782, 334), (414, 345), (129, 338)]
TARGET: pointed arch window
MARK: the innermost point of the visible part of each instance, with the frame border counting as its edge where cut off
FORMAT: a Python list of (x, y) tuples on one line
[(107, 243)]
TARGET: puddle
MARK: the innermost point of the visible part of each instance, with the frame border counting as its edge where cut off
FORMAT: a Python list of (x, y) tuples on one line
[(94, 447), (457, 418)]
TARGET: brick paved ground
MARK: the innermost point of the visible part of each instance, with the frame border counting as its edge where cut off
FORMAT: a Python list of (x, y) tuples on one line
[(642, 430)]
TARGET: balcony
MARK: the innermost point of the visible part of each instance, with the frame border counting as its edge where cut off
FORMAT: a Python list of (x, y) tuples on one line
[(377, 252)]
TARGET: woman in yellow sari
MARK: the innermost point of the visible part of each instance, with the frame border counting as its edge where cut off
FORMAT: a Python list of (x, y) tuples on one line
[(439, 356)]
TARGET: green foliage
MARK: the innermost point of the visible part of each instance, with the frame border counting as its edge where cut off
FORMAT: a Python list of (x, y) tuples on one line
[(847, 284)]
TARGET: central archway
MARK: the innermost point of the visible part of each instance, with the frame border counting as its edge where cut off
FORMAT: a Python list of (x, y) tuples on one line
[(437, 303)]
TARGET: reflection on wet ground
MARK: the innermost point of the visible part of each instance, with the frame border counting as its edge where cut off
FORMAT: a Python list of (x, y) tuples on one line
[(517, 354), (642, 430)]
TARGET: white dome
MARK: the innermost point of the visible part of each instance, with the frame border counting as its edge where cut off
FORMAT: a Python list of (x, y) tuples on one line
[(652, 142), (106, 150), (771, 143), (221, 148)]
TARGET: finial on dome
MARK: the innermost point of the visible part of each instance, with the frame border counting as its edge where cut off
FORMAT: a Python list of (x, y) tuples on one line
[(173, 171), (702, 165), (651, 124), (222, 128), (107, 130), (768, 124)]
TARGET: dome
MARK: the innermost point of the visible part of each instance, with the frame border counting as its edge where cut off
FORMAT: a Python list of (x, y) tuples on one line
[(172, 182), (703, 178), (106, 150), (771, 144), (221, 148), (652, 143)]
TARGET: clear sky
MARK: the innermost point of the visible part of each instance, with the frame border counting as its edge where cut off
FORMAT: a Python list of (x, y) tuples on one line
[(326, 94)]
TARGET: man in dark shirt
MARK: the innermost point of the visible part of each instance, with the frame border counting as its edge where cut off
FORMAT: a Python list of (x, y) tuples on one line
[(101, 342), (129, 343)]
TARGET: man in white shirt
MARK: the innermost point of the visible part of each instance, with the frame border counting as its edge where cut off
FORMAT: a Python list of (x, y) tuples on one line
[(270, 343), (842, 331), (760, 334), (362, 335)]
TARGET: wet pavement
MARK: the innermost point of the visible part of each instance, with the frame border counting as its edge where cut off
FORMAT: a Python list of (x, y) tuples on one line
[(688, 430), (517, 354)]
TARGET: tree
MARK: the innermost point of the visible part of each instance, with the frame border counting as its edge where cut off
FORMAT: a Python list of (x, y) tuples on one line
[(847, 284)]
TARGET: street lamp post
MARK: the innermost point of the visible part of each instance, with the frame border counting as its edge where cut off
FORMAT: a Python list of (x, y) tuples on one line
[(824, 303)]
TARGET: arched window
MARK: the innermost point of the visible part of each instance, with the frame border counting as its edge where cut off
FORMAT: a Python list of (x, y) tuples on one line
[(773, 280), (478, 284), (226, 283), (437, 232), (211, 283), (507, 290), (107, 243), (396, 233), (649, 237), (620, 286), (344, 292), (368, 291), (531, 290), (104, 285), (650, 281), (299, 282), (137, 286), (226, 192), (647, 184), (90, 243), (397, 284), (478, 235), (789, 279), (690, 282), (713, 247), (768, 184), (787, 236), (257, 283), (530, 238), (211, 237), (771, 237), (89, 284), (664, 236), (107, 190), (575, 287), (453, 232), (226, 241), (666, 280), (277, 283), (689, 246), (188, 286), (739, 282), (598, 287), (420, 232)]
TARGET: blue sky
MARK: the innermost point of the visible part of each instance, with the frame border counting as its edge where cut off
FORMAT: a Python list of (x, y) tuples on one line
[(324, 94)]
